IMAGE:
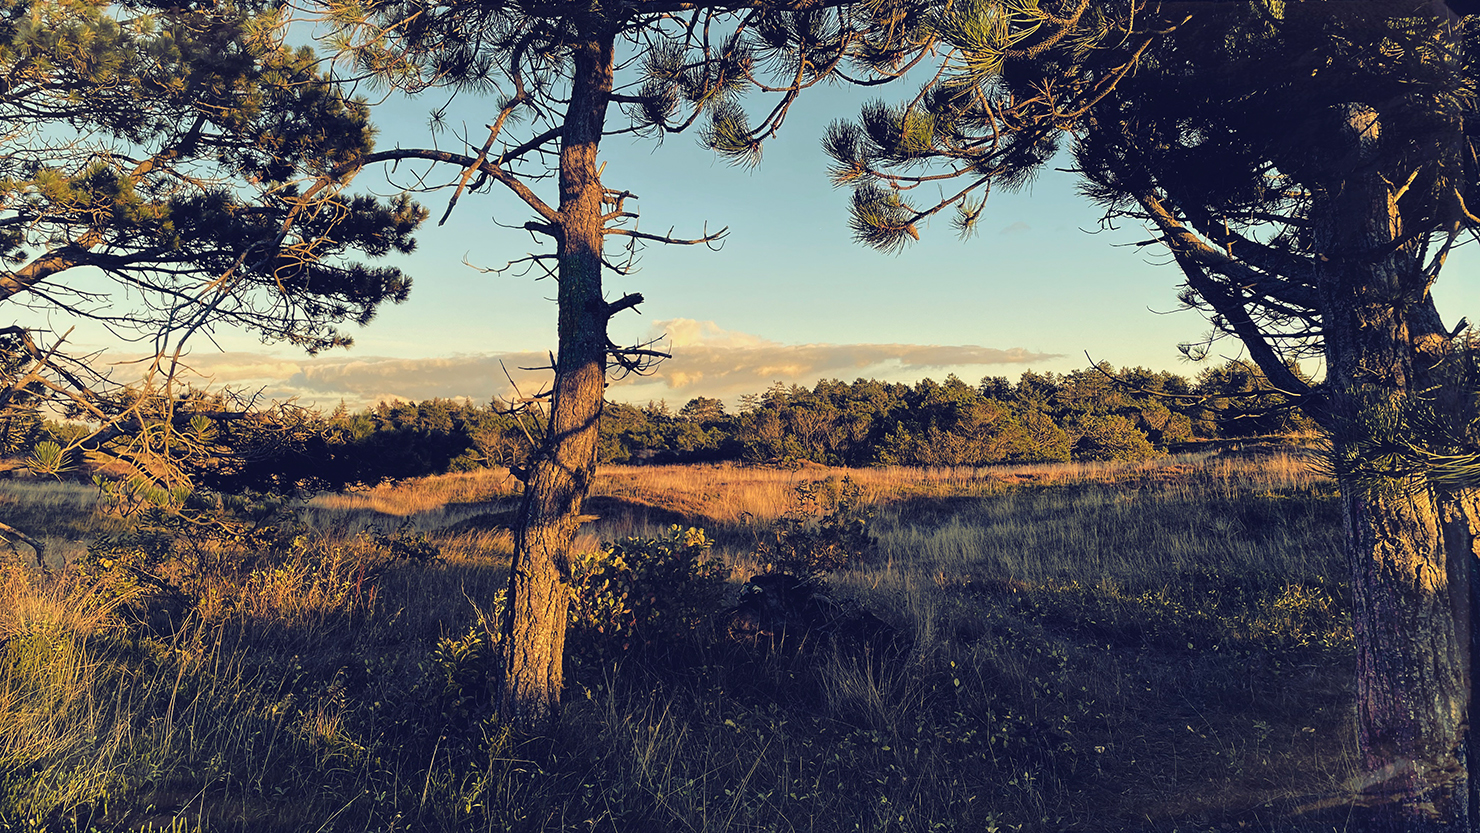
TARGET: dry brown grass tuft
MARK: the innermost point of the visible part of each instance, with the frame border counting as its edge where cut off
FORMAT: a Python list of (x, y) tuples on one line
[(70, 604), (425, 494)]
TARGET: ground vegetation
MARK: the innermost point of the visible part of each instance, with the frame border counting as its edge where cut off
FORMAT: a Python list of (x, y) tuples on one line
[(1095, 646)]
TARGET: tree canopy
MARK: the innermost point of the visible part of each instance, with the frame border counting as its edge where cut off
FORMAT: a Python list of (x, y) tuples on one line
[(167, 169), (1309, 167), (186, 155), (1218, 125)]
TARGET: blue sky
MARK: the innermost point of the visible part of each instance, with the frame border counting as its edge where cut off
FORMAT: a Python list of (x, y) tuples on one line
[(789, 297)]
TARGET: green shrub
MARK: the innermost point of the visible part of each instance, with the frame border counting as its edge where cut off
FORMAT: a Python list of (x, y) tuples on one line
[(459, 694), (642, 591), (241, 555), (1111, 437), (827, 527)]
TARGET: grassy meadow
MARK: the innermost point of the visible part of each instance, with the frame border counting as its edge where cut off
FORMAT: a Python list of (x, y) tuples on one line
[(1162, 646)]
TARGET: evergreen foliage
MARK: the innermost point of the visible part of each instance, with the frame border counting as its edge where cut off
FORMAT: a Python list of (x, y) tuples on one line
[(193, 160), (1097, 413), (167, 169)]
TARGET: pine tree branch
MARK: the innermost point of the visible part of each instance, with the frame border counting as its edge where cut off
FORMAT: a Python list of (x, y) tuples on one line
[(509, 180), (1248, 332), (1269, 260), (54, 262), (668, 239), (8, 532), (1183, 239)]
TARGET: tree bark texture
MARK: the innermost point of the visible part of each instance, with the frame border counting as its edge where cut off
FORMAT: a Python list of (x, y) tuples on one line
[(1459, 519), (1410, 545), (560, 476), (1411, 617)]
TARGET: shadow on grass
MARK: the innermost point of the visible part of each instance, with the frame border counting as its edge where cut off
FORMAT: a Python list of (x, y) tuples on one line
[(614, 517)]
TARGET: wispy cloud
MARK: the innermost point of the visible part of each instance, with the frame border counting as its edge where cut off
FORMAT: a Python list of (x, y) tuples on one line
[(710, 361), (362, 381), (707, 361)]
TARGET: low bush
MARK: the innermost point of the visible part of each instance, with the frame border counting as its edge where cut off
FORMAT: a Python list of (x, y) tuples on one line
[(642, 592), (827, 527), (243, 556)]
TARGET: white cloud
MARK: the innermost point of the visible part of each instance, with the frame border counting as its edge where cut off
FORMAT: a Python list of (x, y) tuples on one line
[(684, 332), (707, 361), (710, 361)]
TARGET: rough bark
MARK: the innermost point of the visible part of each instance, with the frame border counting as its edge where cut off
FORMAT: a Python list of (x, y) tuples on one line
[(560, 476), (1411, 615), (1459, 518), (1411, 570)]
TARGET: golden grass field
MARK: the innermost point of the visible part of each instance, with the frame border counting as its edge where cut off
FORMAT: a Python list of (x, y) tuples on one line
[(1150, 647)]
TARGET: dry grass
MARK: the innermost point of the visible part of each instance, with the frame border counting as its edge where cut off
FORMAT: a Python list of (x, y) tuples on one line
[(1100, 647), (425, 495), (69, 605), (472, 511)]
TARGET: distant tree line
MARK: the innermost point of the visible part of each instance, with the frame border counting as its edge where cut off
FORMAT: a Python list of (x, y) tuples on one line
[(1098, 413)]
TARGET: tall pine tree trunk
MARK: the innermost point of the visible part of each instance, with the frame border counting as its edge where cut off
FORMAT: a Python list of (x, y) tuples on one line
[(1411, 618), (1459, 518), (1411, 565), (560, 476)]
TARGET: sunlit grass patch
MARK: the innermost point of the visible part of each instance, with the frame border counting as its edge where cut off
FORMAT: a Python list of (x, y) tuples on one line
[(425, 494)]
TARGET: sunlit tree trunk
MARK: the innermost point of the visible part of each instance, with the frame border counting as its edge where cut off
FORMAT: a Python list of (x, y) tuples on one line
[(1411, 616), (1411, 558), (560, 476), (1459, 518)]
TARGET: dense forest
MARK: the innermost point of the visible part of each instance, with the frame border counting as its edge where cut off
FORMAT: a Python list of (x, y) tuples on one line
[(1097, 413)]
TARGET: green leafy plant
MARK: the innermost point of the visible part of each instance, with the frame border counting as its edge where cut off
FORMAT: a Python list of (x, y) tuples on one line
[(50, 458), (462, 670), (642, 591), (827, 526)]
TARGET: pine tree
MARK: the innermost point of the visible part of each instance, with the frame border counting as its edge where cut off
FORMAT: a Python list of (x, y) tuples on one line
[(167, 169), (563, 77), (189, 157), (1309, 166)]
